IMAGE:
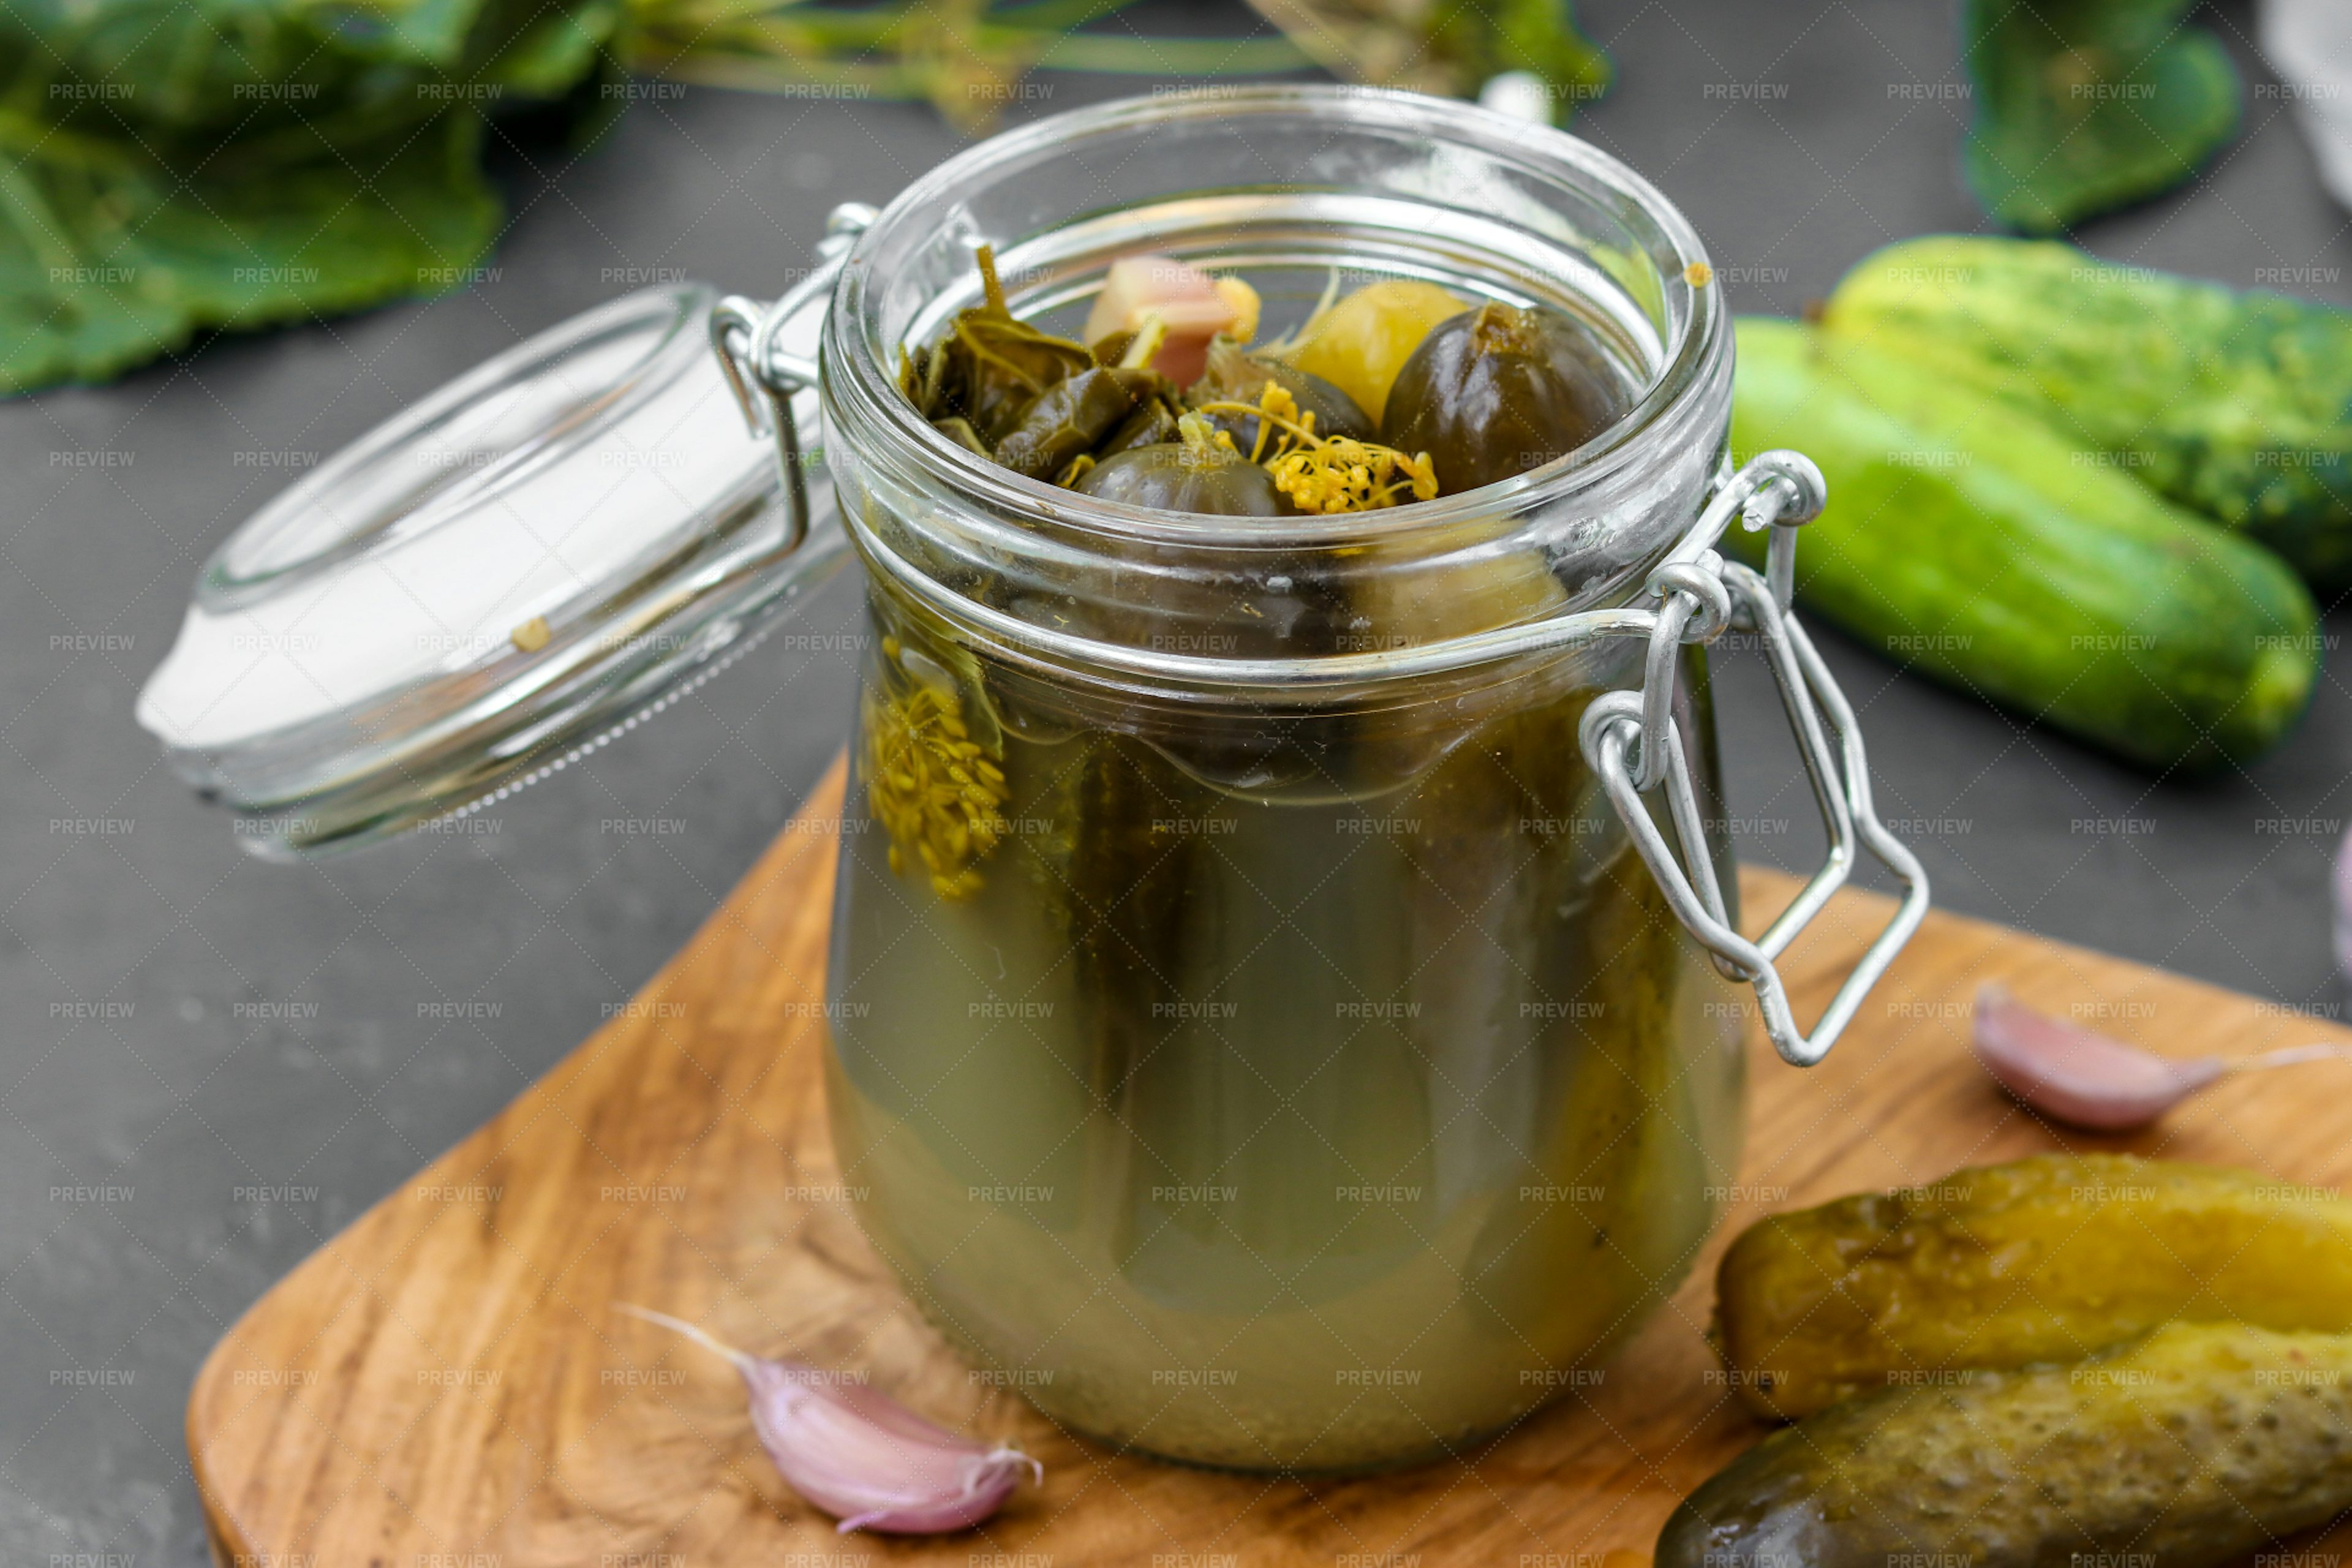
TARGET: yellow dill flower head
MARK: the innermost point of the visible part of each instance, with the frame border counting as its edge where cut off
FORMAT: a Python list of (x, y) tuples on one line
[(1337, 475), (1275, 399), (1326, 473), (936, 790)]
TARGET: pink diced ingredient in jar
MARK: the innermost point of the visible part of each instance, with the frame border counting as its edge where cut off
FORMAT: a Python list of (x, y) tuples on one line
[(1191, 306)]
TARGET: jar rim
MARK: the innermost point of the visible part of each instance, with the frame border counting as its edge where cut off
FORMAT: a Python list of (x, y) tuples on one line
[(859, 377)]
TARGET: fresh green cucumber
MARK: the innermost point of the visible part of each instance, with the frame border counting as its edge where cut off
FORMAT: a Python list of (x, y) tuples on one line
[(1975, 544), (2237, 405)]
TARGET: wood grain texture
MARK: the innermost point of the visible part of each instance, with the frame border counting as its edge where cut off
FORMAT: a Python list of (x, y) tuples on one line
[(446, 1383)]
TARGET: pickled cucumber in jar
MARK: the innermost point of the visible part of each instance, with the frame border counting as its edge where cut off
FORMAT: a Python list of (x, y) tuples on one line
[(1397, 391), (1194, 473), (1208, 1101), (1235, 376), (1497, 391)]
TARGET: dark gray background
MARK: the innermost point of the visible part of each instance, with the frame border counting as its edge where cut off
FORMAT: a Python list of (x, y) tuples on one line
[(203, 1082)]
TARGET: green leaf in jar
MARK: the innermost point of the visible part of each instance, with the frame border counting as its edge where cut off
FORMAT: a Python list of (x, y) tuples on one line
[(991, 366), (1072, 417)]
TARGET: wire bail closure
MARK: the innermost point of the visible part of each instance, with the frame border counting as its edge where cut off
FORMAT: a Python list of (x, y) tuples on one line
[(743, 334), (1632, 741)]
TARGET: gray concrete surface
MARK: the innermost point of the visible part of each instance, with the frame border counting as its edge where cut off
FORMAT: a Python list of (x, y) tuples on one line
[(208, 1065)]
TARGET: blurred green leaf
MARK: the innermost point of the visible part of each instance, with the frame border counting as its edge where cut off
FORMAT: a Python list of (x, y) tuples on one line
[(171, 166), (103, 267), (2084, 106), (1451, 49), (966, 57)]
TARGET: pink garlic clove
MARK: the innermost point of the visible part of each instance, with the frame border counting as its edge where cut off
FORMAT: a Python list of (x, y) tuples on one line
[(861, 1456), (870, 1461), (2343, 922), (2075, 1076)]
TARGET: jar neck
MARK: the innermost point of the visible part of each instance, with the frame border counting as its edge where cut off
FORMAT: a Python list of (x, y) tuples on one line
[(1432, 189)]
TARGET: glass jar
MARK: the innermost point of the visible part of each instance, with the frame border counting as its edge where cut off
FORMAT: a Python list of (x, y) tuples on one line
[(1321, 1083), (1281, 969), (1255, 1033)]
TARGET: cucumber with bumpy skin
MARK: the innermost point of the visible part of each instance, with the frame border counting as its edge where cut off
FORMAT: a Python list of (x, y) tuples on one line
[(2037, 1260), (2188, 1449), (1976, 545), (2236, 404)]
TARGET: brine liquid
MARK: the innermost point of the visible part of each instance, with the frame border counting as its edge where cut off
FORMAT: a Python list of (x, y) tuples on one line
[(1322, 1136)]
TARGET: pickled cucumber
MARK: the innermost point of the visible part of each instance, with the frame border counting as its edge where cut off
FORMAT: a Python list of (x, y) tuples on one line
[(2041, 1260), (1190, 474), (2194, 1445), (1495, 392)]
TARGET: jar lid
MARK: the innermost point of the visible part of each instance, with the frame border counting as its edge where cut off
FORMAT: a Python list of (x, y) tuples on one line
[(531, 560)]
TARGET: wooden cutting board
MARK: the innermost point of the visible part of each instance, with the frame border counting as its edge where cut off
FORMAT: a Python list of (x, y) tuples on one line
[(447, 1384)]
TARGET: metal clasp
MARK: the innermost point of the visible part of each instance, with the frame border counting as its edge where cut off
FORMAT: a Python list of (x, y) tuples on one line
[(743, 334), (1631, 741)]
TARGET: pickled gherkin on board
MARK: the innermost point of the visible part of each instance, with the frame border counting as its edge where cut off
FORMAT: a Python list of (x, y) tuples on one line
[(2041, 1260), (2188, 1448)]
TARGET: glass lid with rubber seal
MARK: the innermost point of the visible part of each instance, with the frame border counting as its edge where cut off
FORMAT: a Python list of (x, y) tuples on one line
[(536, 557)]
